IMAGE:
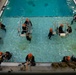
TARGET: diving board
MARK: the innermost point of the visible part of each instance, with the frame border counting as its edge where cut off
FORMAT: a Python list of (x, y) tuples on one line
[(74, 1)]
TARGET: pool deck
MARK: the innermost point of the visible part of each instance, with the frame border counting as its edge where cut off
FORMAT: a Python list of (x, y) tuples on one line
[(39, 68), (2, 3)]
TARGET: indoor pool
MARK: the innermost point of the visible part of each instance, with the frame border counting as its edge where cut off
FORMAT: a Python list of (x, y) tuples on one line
[(41, 47)]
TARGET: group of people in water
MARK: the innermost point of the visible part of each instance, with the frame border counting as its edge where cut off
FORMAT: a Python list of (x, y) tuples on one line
[(59, 30), (30, 59), (27, 29), (5, 56)]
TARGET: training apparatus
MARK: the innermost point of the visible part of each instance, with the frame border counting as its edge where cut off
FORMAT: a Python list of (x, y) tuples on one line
[(22, 34), (63, 34)]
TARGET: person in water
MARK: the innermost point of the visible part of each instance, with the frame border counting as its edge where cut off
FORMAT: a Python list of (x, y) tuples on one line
[(1, 57), (69, 58), (24, 28), (74, 19), (61, 29), (28, 22), (69, 29), (28, 36), (7, 55), (30, 59), (50, 33), (66, 59), (29, 25), (73, 58), (2, 26)]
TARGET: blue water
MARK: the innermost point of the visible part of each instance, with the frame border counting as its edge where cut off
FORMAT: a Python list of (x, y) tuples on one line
[(31, 8)]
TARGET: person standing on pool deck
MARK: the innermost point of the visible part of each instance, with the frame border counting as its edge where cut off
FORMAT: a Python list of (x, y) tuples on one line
[(74, 19)]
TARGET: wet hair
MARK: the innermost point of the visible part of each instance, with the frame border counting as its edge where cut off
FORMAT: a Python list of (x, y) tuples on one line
[(8, 55)]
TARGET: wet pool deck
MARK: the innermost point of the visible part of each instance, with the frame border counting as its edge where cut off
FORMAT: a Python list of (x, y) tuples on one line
[(39, 68), (2, 3)]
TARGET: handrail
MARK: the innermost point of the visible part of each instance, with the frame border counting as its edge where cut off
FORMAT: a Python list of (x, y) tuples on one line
[(74, 1)]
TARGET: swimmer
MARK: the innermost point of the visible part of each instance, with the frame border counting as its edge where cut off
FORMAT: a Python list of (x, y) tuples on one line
[(50, 33), (30, 59), (2, 27)]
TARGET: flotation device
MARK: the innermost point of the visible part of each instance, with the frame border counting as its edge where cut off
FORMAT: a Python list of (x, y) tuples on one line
[(62, 34)]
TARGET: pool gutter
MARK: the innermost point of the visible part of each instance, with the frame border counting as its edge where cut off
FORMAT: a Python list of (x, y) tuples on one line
[(74, 1), (3, 4), (16, 64), (39, 68)]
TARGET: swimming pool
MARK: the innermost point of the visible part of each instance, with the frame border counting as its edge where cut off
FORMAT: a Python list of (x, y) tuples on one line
[(34, 8), (43, 49)]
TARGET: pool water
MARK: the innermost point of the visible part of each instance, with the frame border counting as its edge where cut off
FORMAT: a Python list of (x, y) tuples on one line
[(41, 47), (34, 8), (71, 5), (43, 15)]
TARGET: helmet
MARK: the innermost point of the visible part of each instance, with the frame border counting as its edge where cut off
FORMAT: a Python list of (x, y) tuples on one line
[(1, 53), (30, 55), (61, 25)]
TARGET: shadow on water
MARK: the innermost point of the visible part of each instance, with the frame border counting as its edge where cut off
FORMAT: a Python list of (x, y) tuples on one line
[(31, 3), (1, 40), (2, 35), (73, 47), (46, 4)]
